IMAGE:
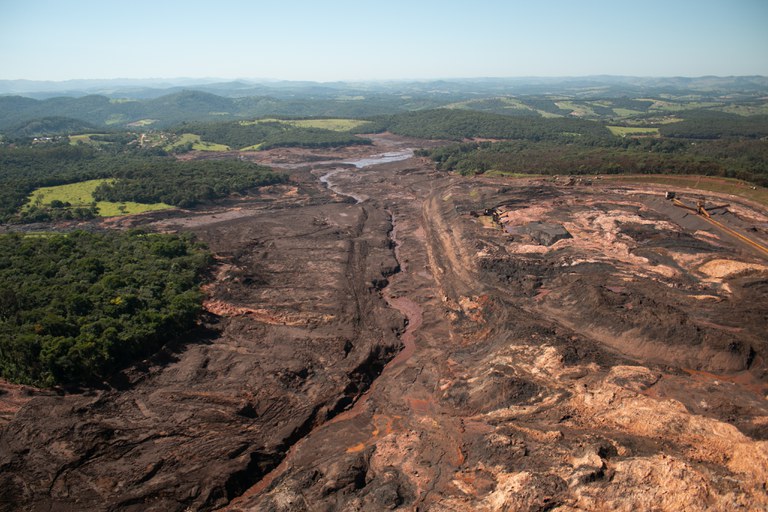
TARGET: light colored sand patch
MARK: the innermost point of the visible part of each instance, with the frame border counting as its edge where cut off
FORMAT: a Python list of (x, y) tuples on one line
[(723, 269), (520, 216)]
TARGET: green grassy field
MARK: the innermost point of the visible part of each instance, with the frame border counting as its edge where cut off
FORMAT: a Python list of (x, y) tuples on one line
[(86, 139), (142, 122), (337, 125), (515, 104), (115, 119), (625, 112), (623, 131), (548, 115), (705, 183), (577, 109), (108, 209), (81, 195), (680, 104), (197, 144), (508, 104)]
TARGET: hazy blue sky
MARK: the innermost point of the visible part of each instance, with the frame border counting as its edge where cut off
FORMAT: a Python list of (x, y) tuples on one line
[(386, 39)]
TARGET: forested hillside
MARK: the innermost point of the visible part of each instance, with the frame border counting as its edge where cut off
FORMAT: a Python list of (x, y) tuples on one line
[(704, 124), (596, 98), (452, 124), (158, 181), (743, 159), (74, 308), (25, 168), (269, 134), (139, 176)]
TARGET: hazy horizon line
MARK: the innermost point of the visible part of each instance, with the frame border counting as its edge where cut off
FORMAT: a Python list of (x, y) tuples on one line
[(404, 79)]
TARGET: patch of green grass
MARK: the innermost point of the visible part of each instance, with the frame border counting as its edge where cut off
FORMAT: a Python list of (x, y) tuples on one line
[(548, 115), (677, 106), (656, 120), (515, 103), (579, 110), (623, 131), (747, 110), (78, 194), (142, 122), (107, 209), (75, 139), (115, 119), (706, 183), (86, 139), (197, 143), (626, 112), (255, 147), (81, 195), (507, 103), (336, 125)]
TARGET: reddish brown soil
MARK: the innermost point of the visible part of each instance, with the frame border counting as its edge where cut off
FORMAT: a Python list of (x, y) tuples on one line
[(623, 368)]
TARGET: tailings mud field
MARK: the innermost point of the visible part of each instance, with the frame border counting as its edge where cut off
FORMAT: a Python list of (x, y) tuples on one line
[(374, 341)]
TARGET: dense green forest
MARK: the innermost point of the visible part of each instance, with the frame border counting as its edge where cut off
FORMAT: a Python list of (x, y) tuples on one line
[(267, 135), (143, 176), (456, 124), (701, 141), (192, 106), (24, 168), (159, 181), (74, 308), (707, 124), (734, 157)]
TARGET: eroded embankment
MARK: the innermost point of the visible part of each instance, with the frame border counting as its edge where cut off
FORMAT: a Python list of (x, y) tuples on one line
[(299, 332), (355, 405), (515, 398), (303, 334)]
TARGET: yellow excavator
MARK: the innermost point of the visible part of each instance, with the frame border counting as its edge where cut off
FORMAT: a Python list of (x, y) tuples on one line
[(703, 211)]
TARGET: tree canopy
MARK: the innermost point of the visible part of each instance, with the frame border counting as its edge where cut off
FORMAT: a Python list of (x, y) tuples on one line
[(74, 308)]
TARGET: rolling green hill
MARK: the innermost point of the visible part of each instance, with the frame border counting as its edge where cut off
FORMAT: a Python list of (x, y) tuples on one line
[(106, 104), (456, 124), (50, 126)]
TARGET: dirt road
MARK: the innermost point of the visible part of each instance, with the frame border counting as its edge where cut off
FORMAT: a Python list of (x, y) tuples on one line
[(380, 345)]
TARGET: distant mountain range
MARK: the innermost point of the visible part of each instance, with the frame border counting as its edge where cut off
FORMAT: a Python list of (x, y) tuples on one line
[(160, 103), (606, 84)]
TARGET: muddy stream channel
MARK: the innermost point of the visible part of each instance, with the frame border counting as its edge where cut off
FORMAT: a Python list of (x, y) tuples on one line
[(408, 308)]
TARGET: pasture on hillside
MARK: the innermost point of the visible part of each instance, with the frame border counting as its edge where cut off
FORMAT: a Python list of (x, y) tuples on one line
[(79, 195)]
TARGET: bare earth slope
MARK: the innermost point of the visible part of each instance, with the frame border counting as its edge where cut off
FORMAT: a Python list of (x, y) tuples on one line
[(620, 367)]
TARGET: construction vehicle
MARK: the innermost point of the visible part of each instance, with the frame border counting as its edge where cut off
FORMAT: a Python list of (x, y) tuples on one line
[(701, 208), (704, 212)]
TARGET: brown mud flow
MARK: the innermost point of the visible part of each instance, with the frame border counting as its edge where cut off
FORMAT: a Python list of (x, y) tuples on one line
[(585, 348)]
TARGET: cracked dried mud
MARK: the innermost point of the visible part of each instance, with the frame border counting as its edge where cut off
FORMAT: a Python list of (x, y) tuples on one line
[(381, 345)]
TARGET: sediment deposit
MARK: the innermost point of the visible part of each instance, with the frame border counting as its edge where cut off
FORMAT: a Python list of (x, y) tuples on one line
[(382, 344)]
